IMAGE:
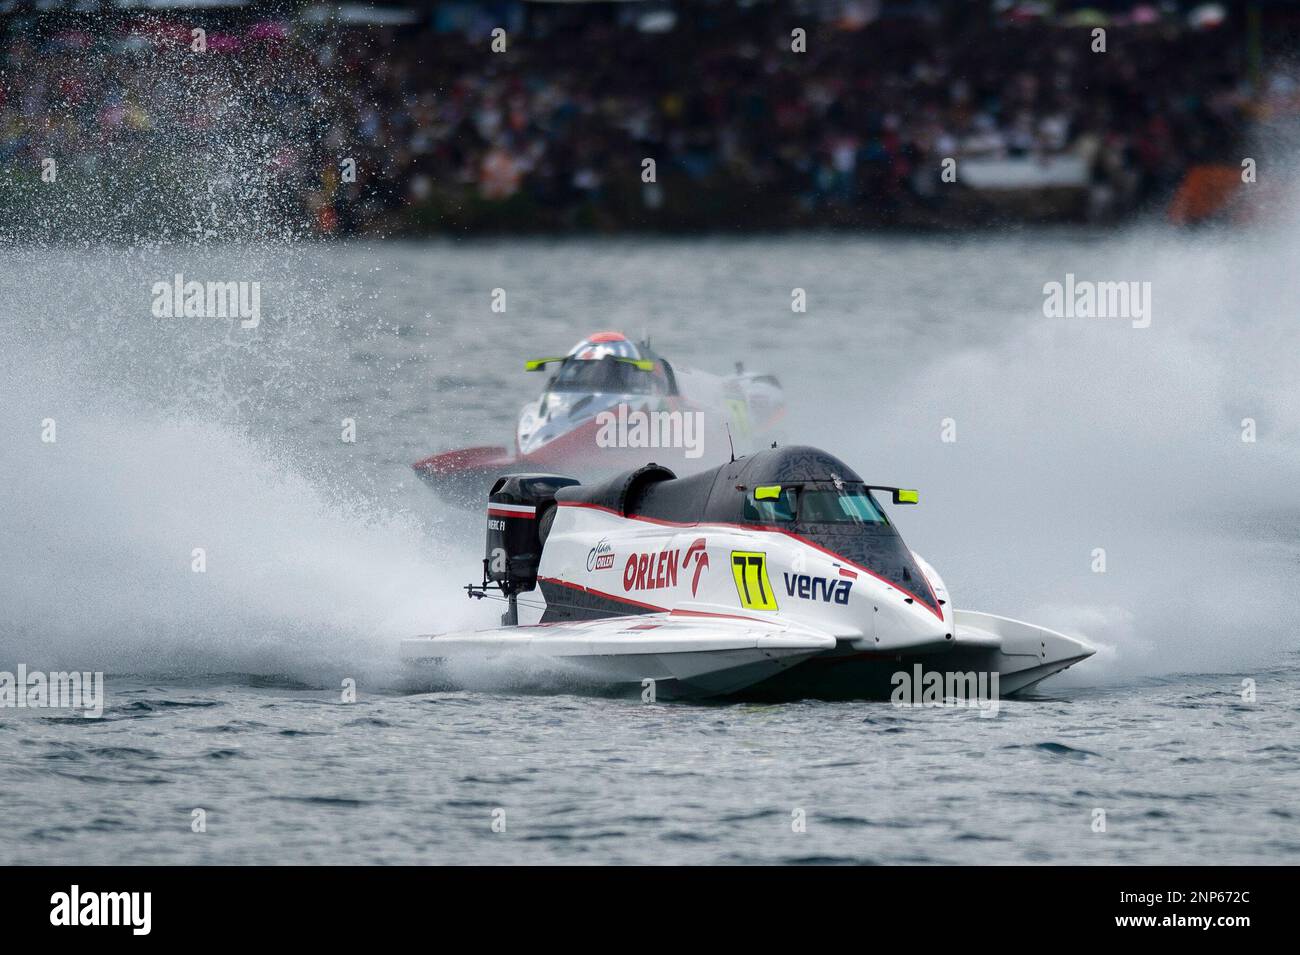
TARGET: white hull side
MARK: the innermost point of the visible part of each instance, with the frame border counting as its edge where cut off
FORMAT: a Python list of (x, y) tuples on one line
[(684, 656), (701, 657)]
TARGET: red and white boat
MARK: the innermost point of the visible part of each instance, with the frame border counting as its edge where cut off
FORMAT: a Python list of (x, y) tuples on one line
[(610, 404), (775, 575)]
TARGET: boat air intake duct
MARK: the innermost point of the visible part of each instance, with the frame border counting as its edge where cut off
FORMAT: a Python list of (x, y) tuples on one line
[(517, 506)]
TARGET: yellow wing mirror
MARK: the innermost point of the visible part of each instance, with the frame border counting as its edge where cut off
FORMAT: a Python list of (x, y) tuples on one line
[(902, 495), (537, 364)]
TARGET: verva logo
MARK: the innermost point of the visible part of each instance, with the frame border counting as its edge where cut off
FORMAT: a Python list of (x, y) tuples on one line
[(659, 570), (808, 587)]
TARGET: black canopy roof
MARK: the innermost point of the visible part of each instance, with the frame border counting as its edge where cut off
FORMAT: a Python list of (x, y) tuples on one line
[(656, 492)]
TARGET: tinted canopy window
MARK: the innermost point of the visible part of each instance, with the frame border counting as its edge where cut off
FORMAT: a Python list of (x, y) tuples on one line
[(771, 505), (813, 504), (846, 505), (607, 375)]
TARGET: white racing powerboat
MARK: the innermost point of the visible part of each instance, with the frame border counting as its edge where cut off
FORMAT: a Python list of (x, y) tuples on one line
[(776, 575)]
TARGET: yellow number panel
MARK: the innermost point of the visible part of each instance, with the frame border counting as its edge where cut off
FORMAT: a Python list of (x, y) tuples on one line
[(749, 568)]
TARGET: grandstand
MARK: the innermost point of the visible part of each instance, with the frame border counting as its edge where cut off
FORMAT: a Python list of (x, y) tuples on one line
[(552, 134)]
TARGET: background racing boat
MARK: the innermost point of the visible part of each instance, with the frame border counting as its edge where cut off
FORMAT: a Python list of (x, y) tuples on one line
[(606, 403), (775, 575)]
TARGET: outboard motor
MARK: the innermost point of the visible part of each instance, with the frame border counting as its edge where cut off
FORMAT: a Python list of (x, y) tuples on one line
[(517, 505)]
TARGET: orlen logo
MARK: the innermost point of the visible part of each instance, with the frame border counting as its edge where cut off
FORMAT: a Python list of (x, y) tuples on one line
[(696, 550), (600, 557), (656, 571)]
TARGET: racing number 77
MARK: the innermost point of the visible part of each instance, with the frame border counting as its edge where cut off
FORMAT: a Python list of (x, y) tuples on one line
[(750, 571)]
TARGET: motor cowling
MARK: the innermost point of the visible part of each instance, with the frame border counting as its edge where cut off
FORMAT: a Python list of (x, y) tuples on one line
[(517, 505)]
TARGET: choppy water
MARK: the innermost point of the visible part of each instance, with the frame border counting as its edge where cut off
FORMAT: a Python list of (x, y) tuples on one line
[(1072, 436), (1184, 771)]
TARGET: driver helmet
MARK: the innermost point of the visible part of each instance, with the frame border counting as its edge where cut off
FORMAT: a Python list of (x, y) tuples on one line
[(603, 344)]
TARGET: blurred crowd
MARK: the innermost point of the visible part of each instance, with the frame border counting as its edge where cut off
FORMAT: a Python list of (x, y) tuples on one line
[(553, 132)]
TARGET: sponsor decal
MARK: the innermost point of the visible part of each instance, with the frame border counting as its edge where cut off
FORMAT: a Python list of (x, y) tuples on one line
[(600, 557), (808, 587), (749, 568), (650, 571), (698, 551), (655, 571)]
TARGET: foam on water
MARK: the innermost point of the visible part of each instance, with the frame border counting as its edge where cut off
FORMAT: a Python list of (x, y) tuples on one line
[(97, 538)]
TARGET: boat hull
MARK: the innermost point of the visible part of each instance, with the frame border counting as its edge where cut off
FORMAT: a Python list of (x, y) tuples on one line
[(670, 657)]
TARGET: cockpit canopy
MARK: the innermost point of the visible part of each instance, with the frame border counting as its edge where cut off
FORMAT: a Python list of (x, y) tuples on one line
[(608, 363), (610, 375), (812, 503)]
